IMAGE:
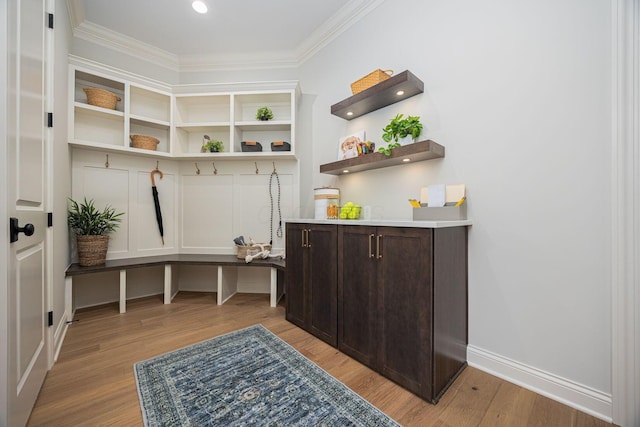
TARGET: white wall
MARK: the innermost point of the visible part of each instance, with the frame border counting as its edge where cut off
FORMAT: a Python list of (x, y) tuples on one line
[(519, 95)]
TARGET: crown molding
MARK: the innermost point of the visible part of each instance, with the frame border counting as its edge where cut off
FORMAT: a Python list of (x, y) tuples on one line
[(249, 61), (75, 9), (348, 15), (278, 85), (120, 43), (92, 65), (189, 88)]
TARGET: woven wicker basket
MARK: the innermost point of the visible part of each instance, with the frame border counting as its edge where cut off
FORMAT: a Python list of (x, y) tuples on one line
[(144, 141), (370, 79), (92, 250), (243, 251), (101, 98)]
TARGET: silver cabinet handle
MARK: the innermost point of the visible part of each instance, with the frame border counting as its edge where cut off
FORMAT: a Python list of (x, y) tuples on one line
[(379, 246), (308, 243)]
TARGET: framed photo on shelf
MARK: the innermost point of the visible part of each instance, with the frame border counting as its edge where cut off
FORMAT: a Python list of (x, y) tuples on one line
[(348, 147)]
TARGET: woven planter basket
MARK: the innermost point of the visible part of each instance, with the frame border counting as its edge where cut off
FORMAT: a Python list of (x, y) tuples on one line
[(373, 78), (101, 98), (92, 250), (144, 141), (243, 251)]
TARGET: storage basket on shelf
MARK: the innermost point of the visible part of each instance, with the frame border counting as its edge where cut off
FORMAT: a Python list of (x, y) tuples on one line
[(101, 98), (251, 146), (144, 141), (243, 251), (280, 146), (370, 79)]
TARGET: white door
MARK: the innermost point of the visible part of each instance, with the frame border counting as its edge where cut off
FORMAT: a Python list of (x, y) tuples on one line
[(26, 132)]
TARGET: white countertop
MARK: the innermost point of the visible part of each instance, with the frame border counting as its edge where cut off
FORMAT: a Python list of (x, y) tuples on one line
[(384, 222)]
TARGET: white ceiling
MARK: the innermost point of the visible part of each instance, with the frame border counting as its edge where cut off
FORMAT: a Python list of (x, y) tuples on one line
[(234, 34)]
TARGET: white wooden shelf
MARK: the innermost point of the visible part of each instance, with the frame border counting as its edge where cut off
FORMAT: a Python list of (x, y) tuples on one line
[(110, 148), (98, 110), (179, 121)]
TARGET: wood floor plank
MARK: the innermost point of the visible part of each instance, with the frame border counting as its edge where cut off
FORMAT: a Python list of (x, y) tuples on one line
[(550, 413), (93, 383), (511, 406)]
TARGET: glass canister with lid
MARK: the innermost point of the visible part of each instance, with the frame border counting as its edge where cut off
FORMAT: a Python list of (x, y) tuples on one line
[(327, 201)]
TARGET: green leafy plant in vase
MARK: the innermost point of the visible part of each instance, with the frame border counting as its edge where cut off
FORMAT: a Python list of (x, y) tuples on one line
[(91, 227), (399, 128), (213, 146), (264, 114)]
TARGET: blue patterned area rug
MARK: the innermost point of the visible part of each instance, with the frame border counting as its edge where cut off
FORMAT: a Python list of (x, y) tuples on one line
[(247, 378)]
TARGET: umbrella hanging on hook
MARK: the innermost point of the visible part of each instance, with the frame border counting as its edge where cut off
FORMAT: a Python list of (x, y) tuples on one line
[(156, 202)]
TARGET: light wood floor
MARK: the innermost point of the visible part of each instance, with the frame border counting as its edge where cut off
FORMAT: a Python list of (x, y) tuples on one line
[(92, 383)]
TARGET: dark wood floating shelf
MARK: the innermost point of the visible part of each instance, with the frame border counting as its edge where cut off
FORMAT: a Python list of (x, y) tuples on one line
[(378, 96), (416, 152)]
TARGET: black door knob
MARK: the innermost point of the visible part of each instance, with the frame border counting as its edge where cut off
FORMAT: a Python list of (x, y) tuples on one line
[(15, 229)]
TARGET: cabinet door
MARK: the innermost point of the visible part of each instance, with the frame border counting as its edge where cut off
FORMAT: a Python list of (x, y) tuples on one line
[(322, 275), (357, 293), (405, 307), (294, 277)]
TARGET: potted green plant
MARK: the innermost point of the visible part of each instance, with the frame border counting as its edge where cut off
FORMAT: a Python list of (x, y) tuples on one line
[(213, 146), (91, 227), (264, 113), (400, 127)]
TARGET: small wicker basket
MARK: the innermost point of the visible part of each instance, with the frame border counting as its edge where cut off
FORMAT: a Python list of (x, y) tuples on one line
[(92, 250), (144, 141), (370, 79), (101, 98), (243, 251)]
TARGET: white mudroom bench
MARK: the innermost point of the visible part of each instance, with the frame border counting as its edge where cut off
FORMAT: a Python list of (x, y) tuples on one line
[(227, 277)]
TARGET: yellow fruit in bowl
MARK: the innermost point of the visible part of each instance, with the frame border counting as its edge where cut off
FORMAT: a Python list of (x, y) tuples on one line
[(350, 211)]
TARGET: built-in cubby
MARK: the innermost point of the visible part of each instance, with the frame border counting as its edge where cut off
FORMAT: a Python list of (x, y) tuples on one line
[(140, 110), (182, 121), (206, 199)]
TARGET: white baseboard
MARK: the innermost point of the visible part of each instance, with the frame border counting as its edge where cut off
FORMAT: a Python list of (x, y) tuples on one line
[(58, 336), (585, 399)]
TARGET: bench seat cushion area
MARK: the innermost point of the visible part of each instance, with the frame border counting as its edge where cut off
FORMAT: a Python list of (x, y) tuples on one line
[(227, 276)]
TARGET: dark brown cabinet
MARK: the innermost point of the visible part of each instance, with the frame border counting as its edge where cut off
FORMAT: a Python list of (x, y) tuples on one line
[(399, 281), (311, 280), (402, 302)]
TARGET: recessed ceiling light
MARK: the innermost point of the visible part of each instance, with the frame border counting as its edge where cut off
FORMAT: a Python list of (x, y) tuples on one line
[(406, 160), (199, 6), (345, 171), (400, 93), (349, 113)]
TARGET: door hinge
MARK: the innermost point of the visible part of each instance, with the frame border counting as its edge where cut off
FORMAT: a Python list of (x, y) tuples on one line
[(49, 120), (50, 322), (49, 219), (50, 20)]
